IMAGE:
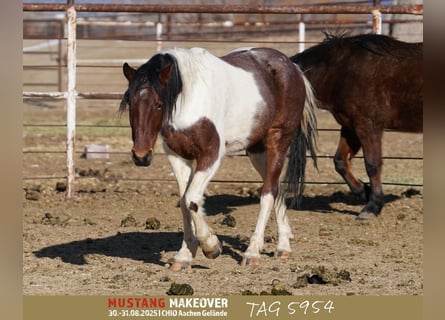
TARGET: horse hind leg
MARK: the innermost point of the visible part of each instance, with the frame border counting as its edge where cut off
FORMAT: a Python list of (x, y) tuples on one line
[(257, 157), (348, 147), (271, 198), (252, 253), (284, 229)]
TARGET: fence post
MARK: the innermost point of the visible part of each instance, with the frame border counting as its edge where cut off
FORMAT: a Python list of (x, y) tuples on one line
[(60, 64), (71, 98), (376, 22), (159, 28), (301, 36)]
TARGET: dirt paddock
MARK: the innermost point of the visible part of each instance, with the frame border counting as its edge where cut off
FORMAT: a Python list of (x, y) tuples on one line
[(119, 231), (104, 241)]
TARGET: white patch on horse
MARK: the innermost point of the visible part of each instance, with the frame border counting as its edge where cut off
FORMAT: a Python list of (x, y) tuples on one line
[(231, 108), (257, 237), (142, 92)]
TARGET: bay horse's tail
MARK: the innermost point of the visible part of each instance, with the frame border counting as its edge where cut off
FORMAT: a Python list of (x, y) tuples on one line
[(305, 139)]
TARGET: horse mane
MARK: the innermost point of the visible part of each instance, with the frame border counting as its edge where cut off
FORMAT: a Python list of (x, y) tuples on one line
[(336, 46), (376, 43), (149, 73)]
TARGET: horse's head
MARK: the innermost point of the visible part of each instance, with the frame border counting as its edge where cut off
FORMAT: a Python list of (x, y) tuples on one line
[(151, 96)]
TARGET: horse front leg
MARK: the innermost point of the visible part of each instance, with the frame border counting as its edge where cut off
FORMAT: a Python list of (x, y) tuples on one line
[(372, 151), (194, 201), (184, 257), (183, 171)]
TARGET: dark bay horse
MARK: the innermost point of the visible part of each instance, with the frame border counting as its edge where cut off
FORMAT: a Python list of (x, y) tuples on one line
[(369, 83), (204, 107)]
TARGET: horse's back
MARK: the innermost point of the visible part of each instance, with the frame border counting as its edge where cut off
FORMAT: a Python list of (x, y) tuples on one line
[(274, 72), (368, 74), (266, 60), (399, 80), (280, 85)]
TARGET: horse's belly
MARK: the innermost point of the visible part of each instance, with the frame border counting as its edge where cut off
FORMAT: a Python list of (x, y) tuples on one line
[(236, 145), (237, 137), (240, 124)]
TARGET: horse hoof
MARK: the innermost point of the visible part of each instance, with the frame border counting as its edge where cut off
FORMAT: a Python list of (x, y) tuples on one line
[(283, 254), (214, 252), (180, 266), (365, 216), (250, 262)]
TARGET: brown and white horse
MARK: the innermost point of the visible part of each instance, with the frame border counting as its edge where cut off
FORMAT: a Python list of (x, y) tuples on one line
[(204, 107)]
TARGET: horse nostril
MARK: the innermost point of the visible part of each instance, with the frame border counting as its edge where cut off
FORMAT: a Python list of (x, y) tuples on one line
[(144, 160)]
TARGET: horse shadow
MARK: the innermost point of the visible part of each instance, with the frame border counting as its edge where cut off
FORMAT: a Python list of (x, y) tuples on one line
[(140, 246), (323, 203), (147, 246), (225, 203)]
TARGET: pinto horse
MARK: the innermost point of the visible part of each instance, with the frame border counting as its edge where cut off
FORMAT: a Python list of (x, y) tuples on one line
[(204, 107), (369, 83)]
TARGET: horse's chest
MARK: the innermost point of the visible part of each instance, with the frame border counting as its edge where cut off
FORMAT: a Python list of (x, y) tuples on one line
[(196, 142), (182, 145)]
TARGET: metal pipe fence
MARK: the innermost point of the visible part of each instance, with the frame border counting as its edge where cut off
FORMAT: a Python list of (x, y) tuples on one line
[(70, 95)]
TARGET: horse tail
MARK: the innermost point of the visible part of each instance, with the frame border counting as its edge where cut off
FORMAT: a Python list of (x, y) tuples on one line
[(305, 139)]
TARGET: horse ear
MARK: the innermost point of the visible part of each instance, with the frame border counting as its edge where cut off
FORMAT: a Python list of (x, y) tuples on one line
[(164, 74), (129, 72)]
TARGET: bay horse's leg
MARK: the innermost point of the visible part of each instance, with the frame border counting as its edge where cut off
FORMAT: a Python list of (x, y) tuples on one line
[(348, 147), (273, 162), (372, 152), (183, 172)]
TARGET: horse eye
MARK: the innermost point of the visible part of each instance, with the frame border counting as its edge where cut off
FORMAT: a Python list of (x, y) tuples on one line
[(158, 106)]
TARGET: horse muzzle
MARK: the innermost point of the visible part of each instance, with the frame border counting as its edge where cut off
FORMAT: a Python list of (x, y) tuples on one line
[(142, 161)]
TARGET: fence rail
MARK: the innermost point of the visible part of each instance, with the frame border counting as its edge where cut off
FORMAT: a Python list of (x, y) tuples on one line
[(416, 9)]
